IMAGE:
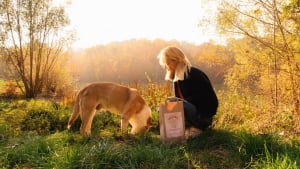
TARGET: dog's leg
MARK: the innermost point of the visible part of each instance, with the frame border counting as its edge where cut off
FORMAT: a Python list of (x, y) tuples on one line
[(124, 124), (131, 109), (134, 121), (87, 120), (128, 114)]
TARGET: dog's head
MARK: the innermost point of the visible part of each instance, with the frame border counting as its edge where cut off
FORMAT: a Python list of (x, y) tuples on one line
[(142, 121), (145, 128)]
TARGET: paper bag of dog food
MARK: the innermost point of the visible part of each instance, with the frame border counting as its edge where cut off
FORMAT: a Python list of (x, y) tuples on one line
[(171, 119)]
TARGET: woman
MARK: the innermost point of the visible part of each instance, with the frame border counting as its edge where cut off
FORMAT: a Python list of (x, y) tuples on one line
[(192, 86)]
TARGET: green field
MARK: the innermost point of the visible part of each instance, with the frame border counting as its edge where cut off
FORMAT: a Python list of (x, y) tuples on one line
[(33, 135)]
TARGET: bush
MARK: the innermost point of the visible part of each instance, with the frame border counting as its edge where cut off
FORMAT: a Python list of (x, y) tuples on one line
[(10, 90), (62, 114), (41, 121), (106, 120), (34, 115)]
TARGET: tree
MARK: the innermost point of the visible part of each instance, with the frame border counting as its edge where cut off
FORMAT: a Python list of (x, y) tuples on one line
[(32, 38), (215, 60), (273, 24)]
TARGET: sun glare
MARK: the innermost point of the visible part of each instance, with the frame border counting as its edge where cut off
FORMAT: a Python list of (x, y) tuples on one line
[(104, 21)]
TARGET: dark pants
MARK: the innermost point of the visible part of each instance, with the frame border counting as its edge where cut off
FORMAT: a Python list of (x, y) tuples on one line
[(193, 118)]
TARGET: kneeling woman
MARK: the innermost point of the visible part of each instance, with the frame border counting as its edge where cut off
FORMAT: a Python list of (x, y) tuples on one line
[(190, 85)]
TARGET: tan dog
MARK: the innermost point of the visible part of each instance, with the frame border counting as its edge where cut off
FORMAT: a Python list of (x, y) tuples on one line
[(116, 98)]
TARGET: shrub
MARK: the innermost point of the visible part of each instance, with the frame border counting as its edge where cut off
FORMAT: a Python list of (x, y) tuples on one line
[(106, 120), (41, 121), (62, 114), (10, 90)]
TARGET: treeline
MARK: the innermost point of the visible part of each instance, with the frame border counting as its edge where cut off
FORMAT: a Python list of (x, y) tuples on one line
[(136, 61)]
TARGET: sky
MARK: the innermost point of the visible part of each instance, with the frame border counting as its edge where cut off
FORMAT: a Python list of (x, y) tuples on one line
[(104, 21)]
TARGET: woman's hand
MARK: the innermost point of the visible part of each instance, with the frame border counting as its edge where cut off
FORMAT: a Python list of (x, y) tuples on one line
[(173, 99)]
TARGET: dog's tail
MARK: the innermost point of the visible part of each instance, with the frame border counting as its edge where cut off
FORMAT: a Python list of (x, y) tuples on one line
[(76, 112)]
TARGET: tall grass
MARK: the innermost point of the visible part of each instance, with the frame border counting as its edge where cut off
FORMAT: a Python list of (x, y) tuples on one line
[(254, 114)]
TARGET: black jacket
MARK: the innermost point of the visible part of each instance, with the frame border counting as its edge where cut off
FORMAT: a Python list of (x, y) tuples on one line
[(196, 88)]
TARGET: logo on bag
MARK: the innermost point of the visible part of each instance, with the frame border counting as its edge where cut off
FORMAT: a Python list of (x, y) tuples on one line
[(173, 121), (173, 124)]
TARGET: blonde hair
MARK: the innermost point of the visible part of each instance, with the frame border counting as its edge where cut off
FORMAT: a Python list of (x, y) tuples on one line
[(183, 63)]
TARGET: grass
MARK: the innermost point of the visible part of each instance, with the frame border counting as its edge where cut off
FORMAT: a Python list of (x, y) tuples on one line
[(234, 142), (215, 148)]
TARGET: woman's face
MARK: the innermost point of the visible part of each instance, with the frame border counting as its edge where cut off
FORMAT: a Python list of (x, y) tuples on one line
[(171, 64)]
